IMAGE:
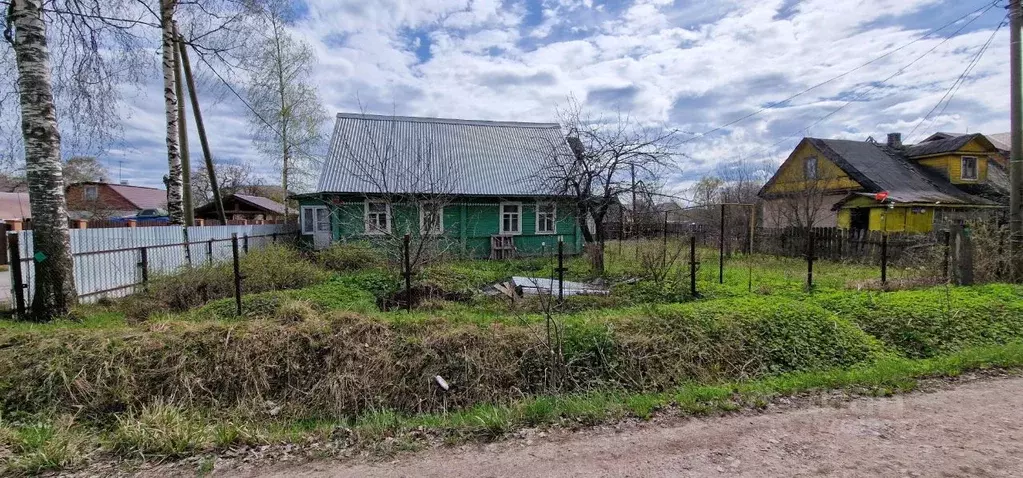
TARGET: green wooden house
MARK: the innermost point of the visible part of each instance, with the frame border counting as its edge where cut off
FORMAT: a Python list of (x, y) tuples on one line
[(478, 186)]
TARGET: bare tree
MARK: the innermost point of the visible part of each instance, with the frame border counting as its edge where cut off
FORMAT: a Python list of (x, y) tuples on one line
[(79, 169), (287, 116), (401, 174), (807, 204), (609, 155), (232, 178)]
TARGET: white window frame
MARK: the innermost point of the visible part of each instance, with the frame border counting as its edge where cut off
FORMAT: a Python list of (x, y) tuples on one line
[(554, 217), (365, 218), (422, 218), (90, 187), (500, 218), (807, 169), (962, 168), (312, 228)]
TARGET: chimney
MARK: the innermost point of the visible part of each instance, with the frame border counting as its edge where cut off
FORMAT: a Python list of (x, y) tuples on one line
[(124, 182), (895, 140)]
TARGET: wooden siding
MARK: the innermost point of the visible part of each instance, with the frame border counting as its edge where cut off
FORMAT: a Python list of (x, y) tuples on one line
[(950, 165), (468, 224), (791, 176)]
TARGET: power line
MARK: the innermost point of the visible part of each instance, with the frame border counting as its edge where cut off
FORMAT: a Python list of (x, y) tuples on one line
[(985, 9), (958, 83), (252, 109), (875, 85)]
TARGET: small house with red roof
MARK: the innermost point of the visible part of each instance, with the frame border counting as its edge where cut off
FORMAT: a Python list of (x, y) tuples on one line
[(100, 200)]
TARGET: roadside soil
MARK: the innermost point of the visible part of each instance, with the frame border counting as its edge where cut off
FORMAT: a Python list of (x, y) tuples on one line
[(971, 428)]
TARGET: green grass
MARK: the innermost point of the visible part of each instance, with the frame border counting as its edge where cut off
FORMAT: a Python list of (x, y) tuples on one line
[(165, 431)]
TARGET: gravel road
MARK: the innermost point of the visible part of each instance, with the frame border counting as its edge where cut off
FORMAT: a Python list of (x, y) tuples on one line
[(973, 429)]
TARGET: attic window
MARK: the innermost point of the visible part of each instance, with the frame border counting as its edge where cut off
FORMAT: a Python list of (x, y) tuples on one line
[(810, 167), (91, 192), (969, 168)]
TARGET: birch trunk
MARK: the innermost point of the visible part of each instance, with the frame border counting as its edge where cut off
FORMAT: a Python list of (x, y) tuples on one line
[(175, 210), (54, 268)]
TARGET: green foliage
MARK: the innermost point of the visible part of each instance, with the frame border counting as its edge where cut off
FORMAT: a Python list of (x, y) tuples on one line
[(41, 446), (272, 268), (350, 256), (927, 323)]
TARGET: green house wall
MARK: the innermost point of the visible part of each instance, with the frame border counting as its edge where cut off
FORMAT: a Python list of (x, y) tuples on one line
[(469, 222)]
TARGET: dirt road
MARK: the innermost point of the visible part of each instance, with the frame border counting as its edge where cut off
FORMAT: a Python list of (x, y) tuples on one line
[(974, 429)]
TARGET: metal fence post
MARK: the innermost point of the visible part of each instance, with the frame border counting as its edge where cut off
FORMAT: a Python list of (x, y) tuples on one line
[(721, 248), (561, 269), (948, 249), (809, 261), (209, 250), (664, 242), (245, 244), (407, 272), (17, 281), (144, 264), (884, 258), (692, 266), (237, 274)]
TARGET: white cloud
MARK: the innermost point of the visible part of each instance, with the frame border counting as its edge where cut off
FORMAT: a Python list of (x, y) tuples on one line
[(691, 65)]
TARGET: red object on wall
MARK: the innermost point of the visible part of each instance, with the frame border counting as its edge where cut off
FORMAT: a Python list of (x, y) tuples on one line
[(881, 196)]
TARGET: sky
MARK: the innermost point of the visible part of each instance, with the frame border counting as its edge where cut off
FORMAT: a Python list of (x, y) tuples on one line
[(693, 66)]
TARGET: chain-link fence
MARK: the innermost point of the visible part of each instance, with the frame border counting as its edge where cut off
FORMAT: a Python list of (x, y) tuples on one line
[(733, 249), (114, 262)]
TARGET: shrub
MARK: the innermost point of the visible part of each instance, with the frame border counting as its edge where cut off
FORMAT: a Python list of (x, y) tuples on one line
[(272, 268), (737, 339), (350, 256), (295, 311), (926, 323)]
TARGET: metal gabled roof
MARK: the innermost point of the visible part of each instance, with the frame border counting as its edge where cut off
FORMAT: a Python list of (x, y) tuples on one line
[(376, 154)]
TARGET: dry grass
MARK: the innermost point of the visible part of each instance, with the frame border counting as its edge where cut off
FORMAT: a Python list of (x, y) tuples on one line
[(341, 365)]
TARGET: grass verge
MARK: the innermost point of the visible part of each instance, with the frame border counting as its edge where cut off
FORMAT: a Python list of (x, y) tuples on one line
[(38, 444)]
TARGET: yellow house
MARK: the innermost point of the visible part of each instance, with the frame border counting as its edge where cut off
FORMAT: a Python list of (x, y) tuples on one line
[(886, 187)]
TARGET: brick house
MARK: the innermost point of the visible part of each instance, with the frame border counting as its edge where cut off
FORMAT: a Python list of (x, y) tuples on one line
[(99, 200)]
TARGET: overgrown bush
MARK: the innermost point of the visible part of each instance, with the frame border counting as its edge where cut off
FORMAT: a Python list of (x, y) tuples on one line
[(738, 339), (926, 323), (351, 256), (272, 268), (344, 365)]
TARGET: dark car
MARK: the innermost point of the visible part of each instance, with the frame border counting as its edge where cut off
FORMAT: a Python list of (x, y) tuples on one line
[(150, 216)]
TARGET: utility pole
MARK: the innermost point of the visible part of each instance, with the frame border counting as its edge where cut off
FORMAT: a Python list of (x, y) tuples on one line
[(201, 128), (1016, 152), (186, 164)]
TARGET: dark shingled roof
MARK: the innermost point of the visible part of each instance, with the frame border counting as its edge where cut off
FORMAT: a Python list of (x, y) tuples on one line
[(877, 168), (939, 146)]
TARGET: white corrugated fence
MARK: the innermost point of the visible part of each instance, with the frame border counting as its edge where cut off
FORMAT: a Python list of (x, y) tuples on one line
[(108, 262)]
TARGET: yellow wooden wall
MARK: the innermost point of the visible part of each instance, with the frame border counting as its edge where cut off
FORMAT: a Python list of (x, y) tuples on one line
[(791, 178), (901, 219), (951, 165)]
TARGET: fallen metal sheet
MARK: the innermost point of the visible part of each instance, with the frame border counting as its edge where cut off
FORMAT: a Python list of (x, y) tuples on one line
[(536, 285)]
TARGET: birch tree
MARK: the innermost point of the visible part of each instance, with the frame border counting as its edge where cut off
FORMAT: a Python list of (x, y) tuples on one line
[(175, 211), (55, 289), (287, 117)]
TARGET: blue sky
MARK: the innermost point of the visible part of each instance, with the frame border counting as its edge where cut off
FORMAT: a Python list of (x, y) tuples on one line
[(691, 65)]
